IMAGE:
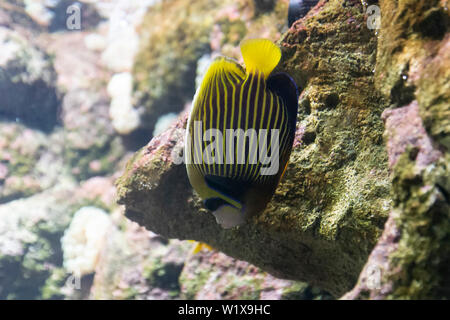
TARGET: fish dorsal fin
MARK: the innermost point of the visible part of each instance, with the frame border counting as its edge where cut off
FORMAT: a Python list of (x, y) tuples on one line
[(222, 67), (260, 55), (285, 87)]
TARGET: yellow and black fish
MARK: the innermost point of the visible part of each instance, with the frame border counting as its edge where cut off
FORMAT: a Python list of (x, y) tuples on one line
[(240, 132)]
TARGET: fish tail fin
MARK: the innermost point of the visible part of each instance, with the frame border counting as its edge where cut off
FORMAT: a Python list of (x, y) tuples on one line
[(260, 55)]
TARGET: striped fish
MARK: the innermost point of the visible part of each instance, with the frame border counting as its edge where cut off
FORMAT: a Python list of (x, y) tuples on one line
[(240, 132)]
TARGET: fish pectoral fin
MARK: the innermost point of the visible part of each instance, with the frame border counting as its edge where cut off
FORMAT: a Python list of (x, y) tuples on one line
[(260, 55)]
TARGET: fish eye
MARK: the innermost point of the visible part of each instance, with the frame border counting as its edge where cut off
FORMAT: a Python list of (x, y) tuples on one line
[(214, 203)]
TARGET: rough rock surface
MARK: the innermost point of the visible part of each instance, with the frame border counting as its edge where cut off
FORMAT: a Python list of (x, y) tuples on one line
[(138, 264), (30, 249), (412, 258), (330, 208), (91, 146), (39, 162), (30, 160)]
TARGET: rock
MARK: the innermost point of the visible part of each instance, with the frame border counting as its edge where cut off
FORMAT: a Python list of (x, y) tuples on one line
[(404, 130), (3, 171), (411, 259), (123, 19), (404, 72), (366, 191), (264, 5), (62, 12), (14, 17), (77, 66), (98, 191), (138, 264), (329, 211), (164, 123), (215, 276), (27, 82), (29, 161), (84, 239), (125, 119), (165, 65), (34, 262), (91, 146)]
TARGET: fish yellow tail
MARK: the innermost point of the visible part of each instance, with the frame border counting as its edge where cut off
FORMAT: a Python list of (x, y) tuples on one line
[(260, 55), (199, 246)]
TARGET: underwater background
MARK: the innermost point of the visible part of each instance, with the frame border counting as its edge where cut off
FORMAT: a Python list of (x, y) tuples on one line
[(94, 100)]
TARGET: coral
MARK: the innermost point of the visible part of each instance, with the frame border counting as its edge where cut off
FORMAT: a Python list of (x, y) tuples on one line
[(123, 19), (138, 264), (91, 146), (364, 203), (124, 117), (166, 63), (213, 275), (27, 82), (84, 239), (164, 123)]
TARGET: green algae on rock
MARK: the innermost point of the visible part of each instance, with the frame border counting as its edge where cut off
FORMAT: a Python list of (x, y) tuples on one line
[(412, 257), (138, 264), (164, 69), (30, 249), (329, 210)]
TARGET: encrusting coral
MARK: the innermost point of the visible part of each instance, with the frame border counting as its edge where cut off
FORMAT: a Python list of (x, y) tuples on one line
[(329, 210)]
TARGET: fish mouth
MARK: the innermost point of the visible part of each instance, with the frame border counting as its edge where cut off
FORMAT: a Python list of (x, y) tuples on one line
[(228, 216)]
